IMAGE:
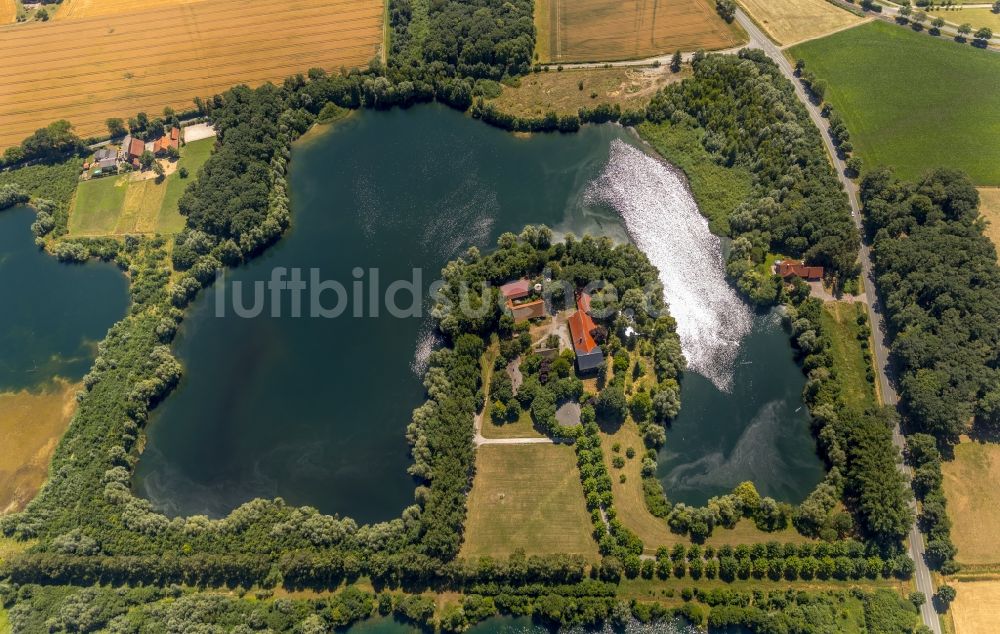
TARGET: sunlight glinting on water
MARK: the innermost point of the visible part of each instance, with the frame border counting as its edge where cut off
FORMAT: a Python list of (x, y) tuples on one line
[(663, 220)]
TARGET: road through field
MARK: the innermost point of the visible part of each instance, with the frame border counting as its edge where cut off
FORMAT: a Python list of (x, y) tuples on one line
[(87, 70), (881, 348)]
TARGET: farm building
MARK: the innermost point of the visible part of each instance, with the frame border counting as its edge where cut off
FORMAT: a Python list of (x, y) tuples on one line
[(171, 139), (132, 148), (104, 153), (581, 328), (518, 295), (791, 268)]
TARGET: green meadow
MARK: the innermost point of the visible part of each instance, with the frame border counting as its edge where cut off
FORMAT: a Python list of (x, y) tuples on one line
[(912, 101)]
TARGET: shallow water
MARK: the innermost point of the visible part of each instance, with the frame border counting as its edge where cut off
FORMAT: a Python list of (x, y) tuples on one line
[(51, 314)]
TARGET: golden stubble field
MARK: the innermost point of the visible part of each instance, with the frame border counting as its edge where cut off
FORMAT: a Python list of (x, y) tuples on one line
[(86, 70), (791, 21), (607, 30), (989, 207)]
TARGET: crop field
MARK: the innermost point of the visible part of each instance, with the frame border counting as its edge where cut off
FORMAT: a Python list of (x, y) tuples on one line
[(945, 115), (529, 497), (89, 69), (118, 205), (8, 11), (31, 424), (790, 21), (76, 9), (974, 501), (976, 607), (606, 30), (989, 207)]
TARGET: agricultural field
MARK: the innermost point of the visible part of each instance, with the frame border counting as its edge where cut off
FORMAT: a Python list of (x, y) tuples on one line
[(76, 9), (529, 497), (607, 30), (974, 501), (977, 17), (840, 320), (567, 91), (913, 122), (790, 21), (989, 207), (976, 607), (119, 205), (117, 65), (8, 11), (31, 424)]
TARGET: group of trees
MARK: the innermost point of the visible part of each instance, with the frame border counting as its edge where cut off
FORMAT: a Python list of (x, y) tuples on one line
[(940, 282), (50, 144), (750, 118), (924, 457)]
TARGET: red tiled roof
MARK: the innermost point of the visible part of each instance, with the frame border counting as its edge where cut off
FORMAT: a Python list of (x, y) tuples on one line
[(789, 268), (175, 134), (135, 147), (583, 302), (516, 290), (580, 327)]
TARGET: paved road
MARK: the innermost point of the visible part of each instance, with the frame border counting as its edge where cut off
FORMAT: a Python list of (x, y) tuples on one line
[(881, 349)]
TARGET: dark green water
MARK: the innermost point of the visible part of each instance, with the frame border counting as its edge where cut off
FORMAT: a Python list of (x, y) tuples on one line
[(759, 431), (315, 410), (51, 315)]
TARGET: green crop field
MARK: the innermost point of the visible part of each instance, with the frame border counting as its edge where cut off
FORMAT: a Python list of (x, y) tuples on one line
[(912, 101)]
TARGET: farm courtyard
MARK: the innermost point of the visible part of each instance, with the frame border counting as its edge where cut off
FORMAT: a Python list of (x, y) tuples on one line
[(608, 30), (943, 115), (128, 204), (87, 70)]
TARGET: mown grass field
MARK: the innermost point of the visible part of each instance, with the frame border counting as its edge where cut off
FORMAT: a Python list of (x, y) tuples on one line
[(560, 92), (970, 486), (607, 30), (117, 205), (989, 207), (912, 101), (31, 424), (86, 70), (529, 497), (790, 21), (840, 320)]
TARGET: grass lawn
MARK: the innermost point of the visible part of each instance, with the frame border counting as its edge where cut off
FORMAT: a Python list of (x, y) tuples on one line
[(529, 497), (560, 92), (989, 207), (970, 485), (193, 156), (98, 206), (912, 101), (523, 427), (840, 320), (718, 190), (976, 17)]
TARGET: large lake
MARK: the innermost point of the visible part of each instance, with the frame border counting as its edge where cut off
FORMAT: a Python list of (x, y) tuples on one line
[(51, 315), (315, 410)]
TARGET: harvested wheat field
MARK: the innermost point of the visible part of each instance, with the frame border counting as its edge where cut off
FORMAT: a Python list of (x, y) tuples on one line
[(76, 9), (31, 424), (89, 69), (8, 11), (607, 30), (791, 21), (976, 608)]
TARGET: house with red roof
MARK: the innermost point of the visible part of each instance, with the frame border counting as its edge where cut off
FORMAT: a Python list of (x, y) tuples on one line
[(796, 268), (171, 139), (589, 355), (516, 293), (132, 148)]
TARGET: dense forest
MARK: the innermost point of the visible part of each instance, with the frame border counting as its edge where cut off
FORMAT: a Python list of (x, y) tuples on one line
[(939, 279)]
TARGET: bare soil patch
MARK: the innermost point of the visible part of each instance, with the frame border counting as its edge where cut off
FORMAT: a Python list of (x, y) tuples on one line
[(31, 424)]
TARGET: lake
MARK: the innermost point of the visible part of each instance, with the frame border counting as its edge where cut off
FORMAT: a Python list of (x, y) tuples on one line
[(53, 314), (315, 410)]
